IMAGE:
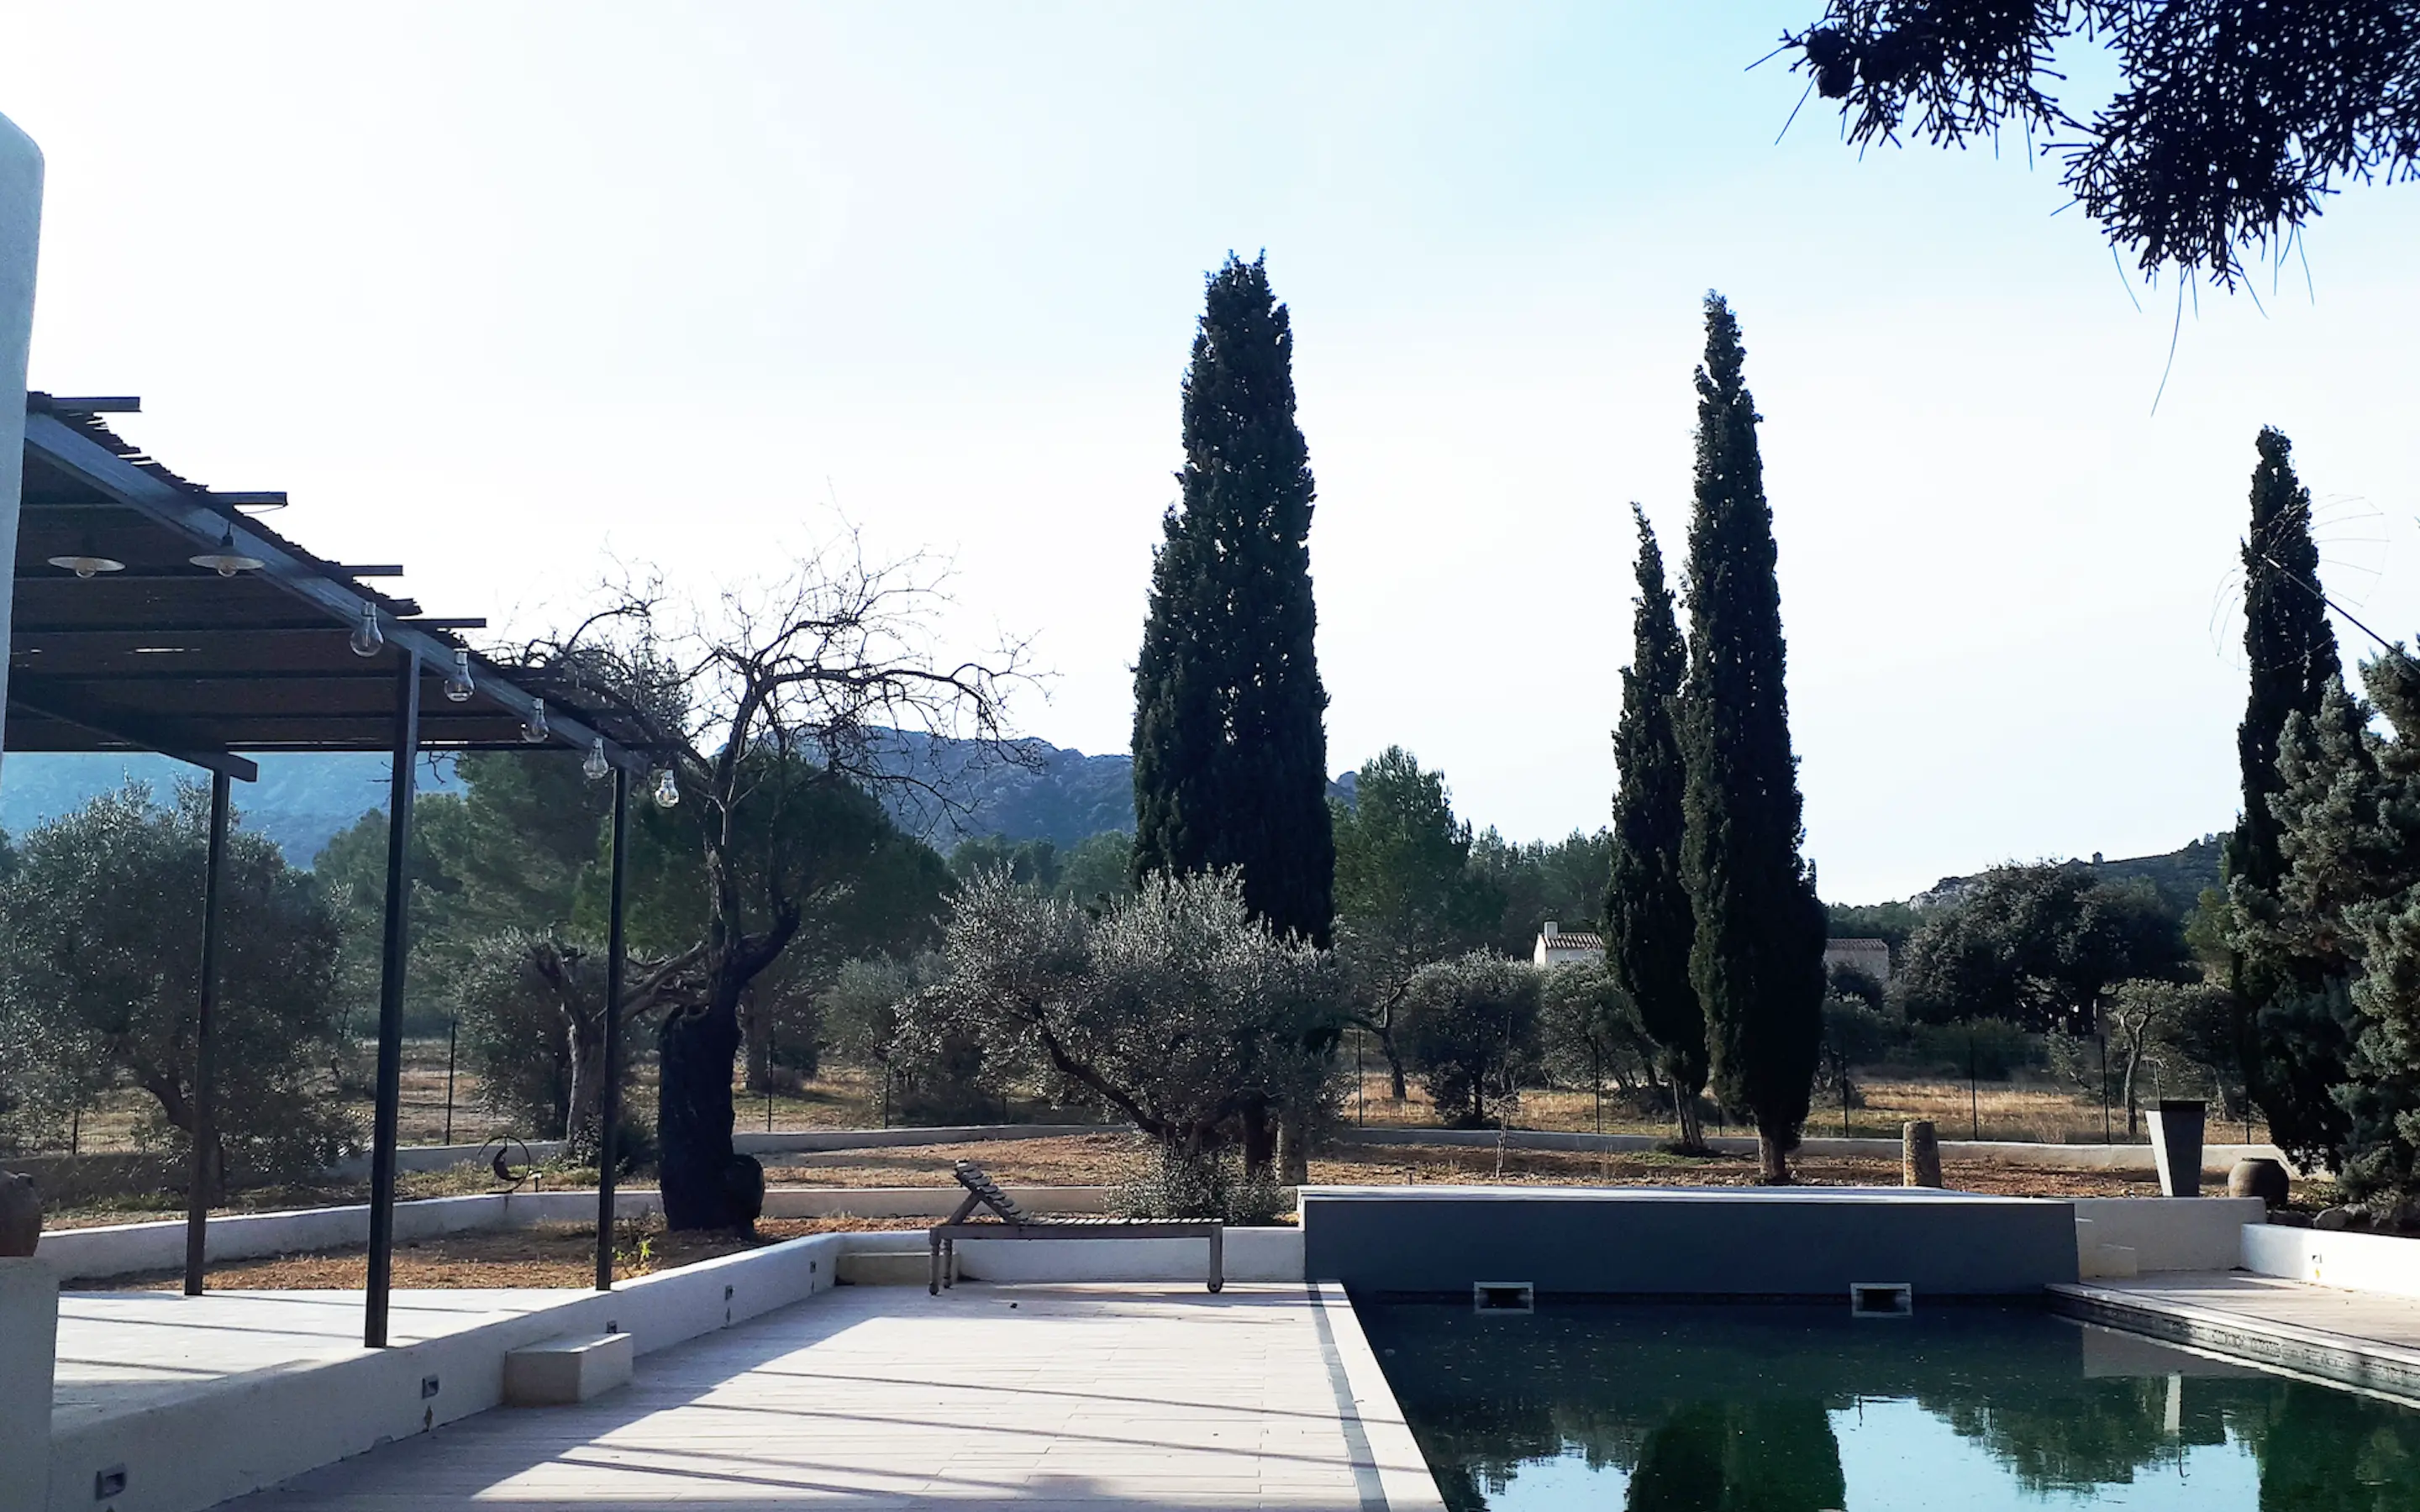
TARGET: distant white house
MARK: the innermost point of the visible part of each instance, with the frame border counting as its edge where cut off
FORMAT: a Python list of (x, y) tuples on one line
[(1872, 957), (1560, 947)]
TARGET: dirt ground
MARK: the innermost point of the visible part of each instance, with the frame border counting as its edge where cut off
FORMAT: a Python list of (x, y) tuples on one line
[(1095, 1160)]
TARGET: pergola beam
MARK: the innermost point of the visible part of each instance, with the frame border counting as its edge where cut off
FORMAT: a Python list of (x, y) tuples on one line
[(84, 460), (138, 734)]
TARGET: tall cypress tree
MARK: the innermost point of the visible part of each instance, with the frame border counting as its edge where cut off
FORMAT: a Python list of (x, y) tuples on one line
[(2289, 645), (1231, 740), (1648, 926), (1758, 956), (2290, 1040)]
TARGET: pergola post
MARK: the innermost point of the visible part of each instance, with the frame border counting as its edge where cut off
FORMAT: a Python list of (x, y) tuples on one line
[(609, 1096), (393, 948), (206, 1128)]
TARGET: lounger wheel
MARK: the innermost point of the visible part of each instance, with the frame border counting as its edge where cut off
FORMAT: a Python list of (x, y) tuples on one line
[(1218, 1285)]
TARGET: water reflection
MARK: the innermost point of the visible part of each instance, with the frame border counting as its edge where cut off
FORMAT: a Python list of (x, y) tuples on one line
[(1746, 1409)]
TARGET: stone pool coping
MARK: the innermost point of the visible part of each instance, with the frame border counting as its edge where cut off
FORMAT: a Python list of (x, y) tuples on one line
[(2192, 1309)]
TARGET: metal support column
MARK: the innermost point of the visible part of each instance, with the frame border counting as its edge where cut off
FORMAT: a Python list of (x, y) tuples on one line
[(393, 948), (206, 1128), (609, 1096)]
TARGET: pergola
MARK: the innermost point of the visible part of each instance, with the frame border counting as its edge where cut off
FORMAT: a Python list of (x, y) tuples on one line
[(154, 614)]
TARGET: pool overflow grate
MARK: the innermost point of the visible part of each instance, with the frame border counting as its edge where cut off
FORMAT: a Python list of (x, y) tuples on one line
[(1504, 1297), (1890, 1299)]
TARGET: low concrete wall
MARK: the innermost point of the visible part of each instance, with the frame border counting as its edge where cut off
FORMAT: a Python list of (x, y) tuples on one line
[(122, 1249), (2216, 1159), (1705, 1242), (29, 1319), (2356, 1262), (1249, 1255), (2173, 1233), (254, 1430)]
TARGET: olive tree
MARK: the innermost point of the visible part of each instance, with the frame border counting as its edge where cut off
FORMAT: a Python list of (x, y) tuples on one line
[(100, 929), (1469, 1027), (1174, 1006)]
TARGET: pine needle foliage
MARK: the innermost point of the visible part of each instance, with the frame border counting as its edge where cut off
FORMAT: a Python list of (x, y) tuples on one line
[(1758, 956), (1648, 928), (1230, 741)]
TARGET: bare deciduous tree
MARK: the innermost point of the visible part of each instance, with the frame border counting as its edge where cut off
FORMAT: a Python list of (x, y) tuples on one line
[(820, 677)]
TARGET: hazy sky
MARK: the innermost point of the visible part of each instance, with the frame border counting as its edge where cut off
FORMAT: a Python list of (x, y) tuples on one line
[(672, 281)]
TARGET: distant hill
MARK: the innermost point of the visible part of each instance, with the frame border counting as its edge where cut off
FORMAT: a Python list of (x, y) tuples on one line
[(2179, 876), (1054, 792), (301, 801)]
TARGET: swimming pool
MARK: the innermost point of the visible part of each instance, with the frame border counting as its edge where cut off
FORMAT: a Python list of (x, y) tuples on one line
[(1794, 1408)]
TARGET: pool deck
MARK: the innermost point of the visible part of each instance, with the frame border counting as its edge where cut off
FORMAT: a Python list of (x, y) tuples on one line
[(2361, 1339), (1044, 1397)]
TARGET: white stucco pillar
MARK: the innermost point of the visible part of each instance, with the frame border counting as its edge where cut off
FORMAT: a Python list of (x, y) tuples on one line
[(29, 1330), (21, 228)]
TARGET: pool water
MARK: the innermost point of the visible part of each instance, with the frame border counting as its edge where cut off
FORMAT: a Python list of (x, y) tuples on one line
[(1769, 1408)]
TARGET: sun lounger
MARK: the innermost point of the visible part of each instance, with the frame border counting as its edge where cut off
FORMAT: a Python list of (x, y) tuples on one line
[(1010, 1221)]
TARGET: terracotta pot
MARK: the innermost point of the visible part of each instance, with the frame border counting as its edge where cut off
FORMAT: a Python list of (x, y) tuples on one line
[(2258, 1177)]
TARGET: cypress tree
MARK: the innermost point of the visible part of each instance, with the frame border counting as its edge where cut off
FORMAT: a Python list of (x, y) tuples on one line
[(1648, 926), (1758, 956), (1230, 741), (2290, 652)]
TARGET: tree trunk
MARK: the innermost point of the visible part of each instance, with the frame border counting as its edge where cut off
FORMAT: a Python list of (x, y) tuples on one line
[(756, 1019), (2133, 1063), (1260, 1141), (1773, 1158), (1398, 1088), (1693, 1121), (702, 1183), (1294, 1147)]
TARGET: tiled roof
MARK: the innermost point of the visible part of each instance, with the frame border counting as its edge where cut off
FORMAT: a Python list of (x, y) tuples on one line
[(1572, 939)]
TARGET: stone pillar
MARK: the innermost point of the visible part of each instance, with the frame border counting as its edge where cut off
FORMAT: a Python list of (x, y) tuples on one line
[(2176, 1146), (21, 225), (1919, 1153), (29, 1348)]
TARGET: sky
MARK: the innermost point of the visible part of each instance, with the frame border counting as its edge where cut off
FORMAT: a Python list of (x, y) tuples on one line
[(525, 295)]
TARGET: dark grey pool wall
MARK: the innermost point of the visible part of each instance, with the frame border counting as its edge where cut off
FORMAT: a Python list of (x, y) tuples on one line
[(1718, 1241)]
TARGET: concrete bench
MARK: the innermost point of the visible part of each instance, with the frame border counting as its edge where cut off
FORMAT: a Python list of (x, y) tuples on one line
[(569, 1368)]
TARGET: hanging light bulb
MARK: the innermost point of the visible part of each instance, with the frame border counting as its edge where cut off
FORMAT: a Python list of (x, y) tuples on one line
[(667, 790), (458, 682), (594, 768), (366, 639), (533, 728), (225, 559)]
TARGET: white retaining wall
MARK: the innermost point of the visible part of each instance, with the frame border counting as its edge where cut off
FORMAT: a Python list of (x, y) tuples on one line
[(2215, 1159), (121, 1249), (2174, 1233), (2357, 1262), (1249, 1255), (252, 1430)]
